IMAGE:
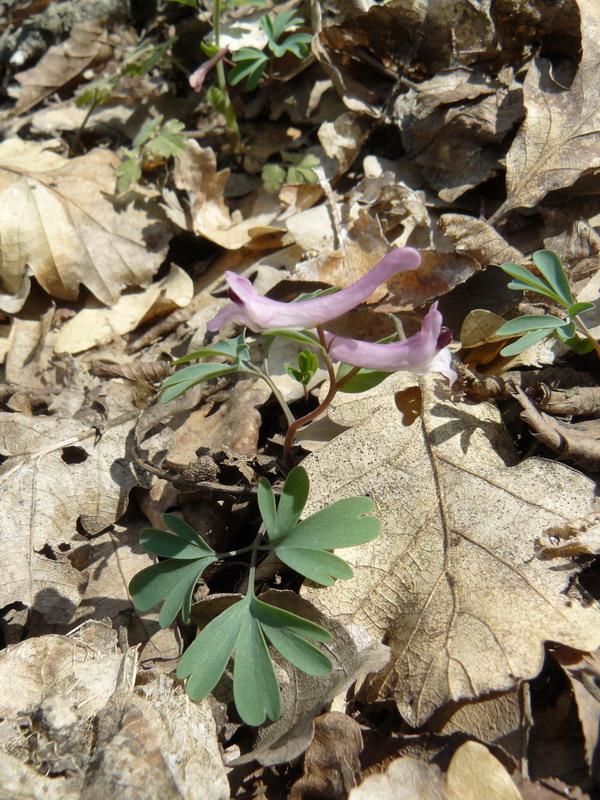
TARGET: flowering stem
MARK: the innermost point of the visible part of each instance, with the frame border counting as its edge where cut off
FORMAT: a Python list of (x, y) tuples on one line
[(334, 385), (588, 334), (231, 123), (262, 373)]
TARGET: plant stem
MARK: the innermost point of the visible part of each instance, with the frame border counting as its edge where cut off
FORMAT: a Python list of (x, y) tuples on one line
[(588, 334), (231, 123), (260, 373), (333, 389)]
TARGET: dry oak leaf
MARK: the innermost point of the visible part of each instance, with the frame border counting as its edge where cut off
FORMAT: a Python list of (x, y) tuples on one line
[(54, 473), (560, 138), (475, 773), (451, 585), (62, 63), (56, 219)]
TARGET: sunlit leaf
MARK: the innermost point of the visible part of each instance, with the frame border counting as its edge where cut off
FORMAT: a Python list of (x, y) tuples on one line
[(255, 687), (317, 565), (530, 322), (548, 263), (524, 342)]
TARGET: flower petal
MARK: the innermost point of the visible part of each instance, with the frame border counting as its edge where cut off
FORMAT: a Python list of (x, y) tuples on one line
[(262, 314), (419, 353), (197, 78)]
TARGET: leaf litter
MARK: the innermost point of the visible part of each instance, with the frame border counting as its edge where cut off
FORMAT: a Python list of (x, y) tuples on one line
[(466, 132)]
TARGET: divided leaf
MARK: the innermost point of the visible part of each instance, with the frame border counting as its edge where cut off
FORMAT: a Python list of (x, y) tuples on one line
[(173, 580), (242, 630)]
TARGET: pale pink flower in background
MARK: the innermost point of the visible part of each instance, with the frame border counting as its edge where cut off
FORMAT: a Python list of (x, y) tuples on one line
[(197, 78), (424, 352), (259, 313)]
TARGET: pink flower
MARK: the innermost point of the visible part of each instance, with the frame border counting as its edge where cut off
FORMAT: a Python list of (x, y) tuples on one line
[(424, 352), (197, 78), (262, 314)]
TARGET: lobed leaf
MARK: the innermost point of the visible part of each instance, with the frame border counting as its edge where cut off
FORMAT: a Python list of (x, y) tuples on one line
[(317, 565), (524, 342), (341, 524), (527, 281), (548, 263), (530, 322), (255, 687), (230, 348)]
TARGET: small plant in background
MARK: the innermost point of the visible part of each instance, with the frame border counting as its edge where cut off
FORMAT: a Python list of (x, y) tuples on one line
[(244, 629), (554, 285), (250, 63), (246, 626), (301, 170), (156, 141)]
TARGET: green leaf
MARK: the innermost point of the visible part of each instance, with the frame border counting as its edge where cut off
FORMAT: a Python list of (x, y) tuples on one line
[(191, 3), (167, 545), (240, 631), (566, 331), (205, 660), (231, 348), (579, 308), (548, 263), (527, 281), (302, 337), (129, 171), (267, 508), (185, 378), (318, 565), (254, 699), (308, 363), (250, 63), (364, 379), (173, 581), (524, 342), (341, 524), (530, 322), (291, 502), (169, 141), (148, 131), (273, 176), (580, 345), (274, 28), (297, 44)]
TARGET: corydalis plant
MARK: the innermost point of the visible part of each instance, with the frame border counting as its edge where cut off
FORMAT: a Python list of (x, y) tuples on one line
[(248, 626), (554, 285), (303, 322)]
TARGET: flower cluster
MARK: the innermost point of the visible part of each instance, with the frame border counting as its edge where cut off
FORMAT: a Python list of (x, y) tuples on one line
[(426, 351)]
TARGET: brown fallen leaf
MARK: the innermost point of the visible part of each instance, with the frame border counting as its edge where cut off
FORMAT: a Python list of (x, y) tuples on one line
[(86, 46), (558, 142), (57, 219), (95, 325), (475, 773), (331, 763), (451, 584), (583, 672), (406, 778), (55, 473), (475, 238)]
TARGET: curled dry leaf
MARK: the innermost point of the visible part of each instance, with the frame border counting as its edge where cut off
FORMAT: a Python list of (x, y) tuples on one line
[(581, 536), (56, 219), (578, 442), (62, 63), (558, 142), (332, 761), (54, 475), (451, 584), (474, 237), (94, 326)]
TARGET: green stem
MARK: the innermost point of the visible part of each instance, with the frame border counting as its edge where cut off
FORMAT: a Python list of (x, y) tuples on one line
[(333, 389), (289, 417), (588, 334), (231, 123)]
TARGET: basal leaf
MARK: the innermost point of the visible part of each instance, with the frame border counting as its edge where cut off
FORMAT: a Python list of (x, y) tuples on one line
[(273, 616), (181, 528), (530, 322), (302, 654), (291, 502), (341, 524), (205, 660), (318, 565), (231, 348), (156, 583), (191, 376), (579, 308), (531, 281), (548, 263), (266, 506), (167, 545), (255, 686), (524, 342)]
